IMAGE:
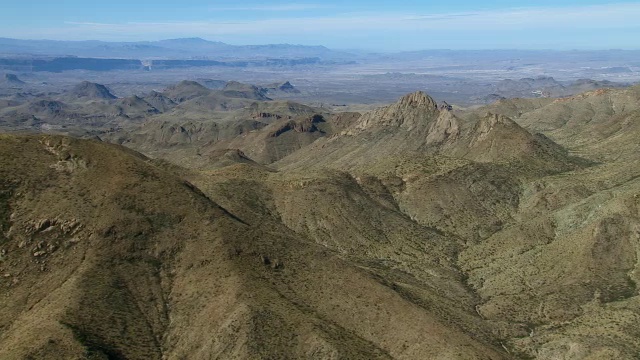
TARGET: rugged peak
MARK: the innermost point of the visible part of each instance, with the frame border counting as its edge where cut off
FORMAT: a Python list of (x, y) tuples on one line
[(91, 90), (418, 99), (497, 138), (412, 112)]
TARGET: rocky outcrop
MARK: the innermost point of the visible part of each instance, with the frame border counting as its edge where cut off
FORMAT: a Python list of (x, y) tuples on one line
[(445, 128), (413, 110)]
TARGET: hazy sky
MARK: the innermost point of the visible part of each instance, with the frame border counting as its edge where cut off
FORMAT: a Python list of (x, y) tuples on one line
[(363, 24)]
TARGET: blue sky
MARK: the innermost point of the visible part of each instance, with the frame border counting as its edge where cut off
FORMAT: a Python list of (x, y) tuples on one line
[(359, 24)]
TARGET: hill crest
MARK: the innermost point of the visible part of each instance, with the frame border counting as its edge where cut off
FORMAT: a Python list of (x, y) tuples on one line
[(90, 90)]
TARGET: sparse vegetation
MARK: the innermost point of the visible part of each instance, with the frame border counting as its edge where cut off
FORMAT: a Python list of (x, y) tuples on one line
[(286, 231)]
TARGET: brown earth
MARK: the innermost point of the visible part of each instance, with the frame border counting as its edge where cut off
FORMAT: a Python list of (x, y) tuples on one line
[(407, 232)]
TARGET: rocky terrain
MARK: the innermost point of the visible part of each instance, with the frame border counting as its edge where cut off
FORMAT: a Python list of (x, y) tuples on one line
[(226, 222)]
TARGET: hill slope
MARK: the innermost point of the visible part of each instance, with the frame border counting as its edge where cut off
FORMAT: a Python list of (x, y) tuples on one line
[(89, 91), (411, 231), (107, 266)]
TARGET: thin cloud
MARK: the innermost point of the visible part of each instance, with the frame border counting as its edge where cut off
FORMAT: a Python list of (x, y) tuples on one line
[(623, 15), (277, 7)]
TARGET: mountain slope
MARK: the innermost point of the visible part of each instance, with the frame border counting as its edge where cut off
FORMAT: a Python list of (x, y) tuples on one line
[(411, 231), (89, 91), (107, 266), (602, 123), (414, 124)]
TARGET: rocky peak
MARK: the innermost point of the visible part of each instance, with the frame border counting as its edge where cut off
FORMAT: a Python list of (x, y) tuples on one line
[(418, 99), (413, 111), (496, 137), (91, 90)]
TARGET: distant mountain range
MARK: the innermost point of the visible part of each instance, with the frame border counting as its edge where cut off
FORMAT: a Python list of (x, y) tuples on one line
[(190, 48), (201, 49)]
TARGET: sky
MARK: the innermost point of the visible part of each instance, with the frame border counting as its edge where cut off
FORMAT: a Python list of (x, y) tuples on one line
[(338, 24)]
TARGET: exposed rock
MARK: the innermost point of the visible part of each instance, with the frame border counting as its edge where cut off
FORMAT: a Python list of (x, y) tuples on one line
[(411, 111), (445, 128)]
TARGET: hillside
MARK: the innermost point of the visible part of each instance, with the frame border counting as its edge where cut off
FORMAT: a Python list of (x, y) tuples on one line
[(261, 229), (89, 91), (415, 125), (105, 266)]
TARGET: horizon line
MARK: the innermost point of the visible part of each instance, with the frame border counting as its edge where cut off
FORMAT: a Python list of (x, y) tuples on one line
[(340, 49)]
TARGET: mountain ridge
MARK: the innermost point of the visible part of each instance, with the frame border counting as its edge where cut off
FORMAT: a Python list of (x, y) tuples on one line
[(181, 48), (264, 229)]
